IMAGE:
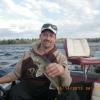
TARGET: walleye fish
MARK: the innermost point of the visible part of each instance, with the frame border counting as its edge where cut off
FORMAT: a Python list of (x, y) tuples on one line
[(43, 63)]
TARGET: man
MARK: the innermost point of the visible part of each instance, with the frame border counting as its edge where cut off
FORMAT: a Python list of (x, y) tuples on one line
[(39, 69)]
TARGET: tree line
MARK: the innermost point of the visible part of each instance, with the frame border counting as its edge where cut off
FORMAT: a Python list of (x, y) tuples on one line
[(28, 41), (17, 41), (94, 40)]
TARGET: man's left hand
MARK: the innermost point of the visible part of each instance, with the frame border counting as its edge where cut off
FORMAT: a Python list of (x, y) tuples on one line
[(54, 70)]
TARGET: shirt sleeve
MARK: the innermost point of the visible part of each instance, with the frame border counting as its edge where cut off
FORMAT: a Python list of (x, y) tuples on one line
[(16, 73), (66, 77)]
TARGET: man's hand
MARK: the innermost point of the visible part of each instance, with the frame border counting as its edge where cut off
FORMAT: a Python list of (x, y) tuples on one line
[(54, 70)]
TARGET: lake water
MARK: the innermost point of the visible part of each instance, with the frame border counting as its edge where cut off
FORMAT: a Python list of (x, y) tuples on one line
[(10, 54)]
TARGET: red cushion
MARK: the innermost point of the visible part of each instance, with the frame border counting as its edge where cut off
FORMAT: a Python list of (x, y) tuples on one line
[(82, 60)]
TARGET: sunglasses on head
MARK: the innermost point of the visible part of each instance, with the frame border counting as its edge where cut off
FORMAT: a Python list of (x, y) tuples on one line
[(50, 25)]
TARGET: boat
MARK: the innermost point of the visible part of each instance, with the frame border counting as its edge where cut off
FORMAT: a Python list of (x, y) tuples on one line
[(83, 77)]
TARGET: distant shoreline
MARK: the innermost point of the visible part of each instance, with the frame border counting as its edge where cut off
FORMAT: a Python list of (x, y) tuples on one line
[(29, 41)]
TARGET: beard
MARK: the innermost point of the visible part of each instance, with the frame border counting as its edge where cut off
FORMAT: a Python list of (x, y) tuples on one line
[(47, 44)]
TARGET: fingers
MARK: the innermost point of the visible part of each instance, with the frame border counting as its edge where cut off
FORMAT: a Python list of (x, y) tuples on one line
[(54, 69), (51, 71)]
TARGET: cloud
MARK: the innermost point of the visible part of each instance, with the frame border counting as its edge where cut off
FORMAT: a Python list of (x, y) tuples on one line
[(18, 9), (21, 25), (75, 18), (6, 33)]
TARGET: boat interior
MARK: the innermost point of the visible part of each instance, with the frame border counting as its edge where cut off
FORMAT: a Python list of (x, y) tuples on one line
[(82, 67)]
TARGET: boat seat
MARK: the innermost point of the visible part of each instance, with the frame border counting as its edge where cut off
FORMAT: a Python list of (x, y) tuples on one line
[(78, 52)]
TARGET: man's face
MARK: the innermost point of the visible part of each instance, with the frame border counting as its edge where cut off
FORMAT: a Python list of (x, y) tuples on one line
[(47, 38)]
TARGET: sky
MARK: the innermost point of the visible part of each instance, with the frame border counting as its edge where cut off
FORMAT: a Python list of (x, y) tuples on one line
[(74, 18)]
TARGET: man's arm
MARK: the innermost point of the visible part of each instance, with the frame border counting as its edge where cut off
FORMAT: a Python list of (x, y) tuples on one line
[(66, 78), (14, 75), (7, 78), (54, 70), (60, 69)]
